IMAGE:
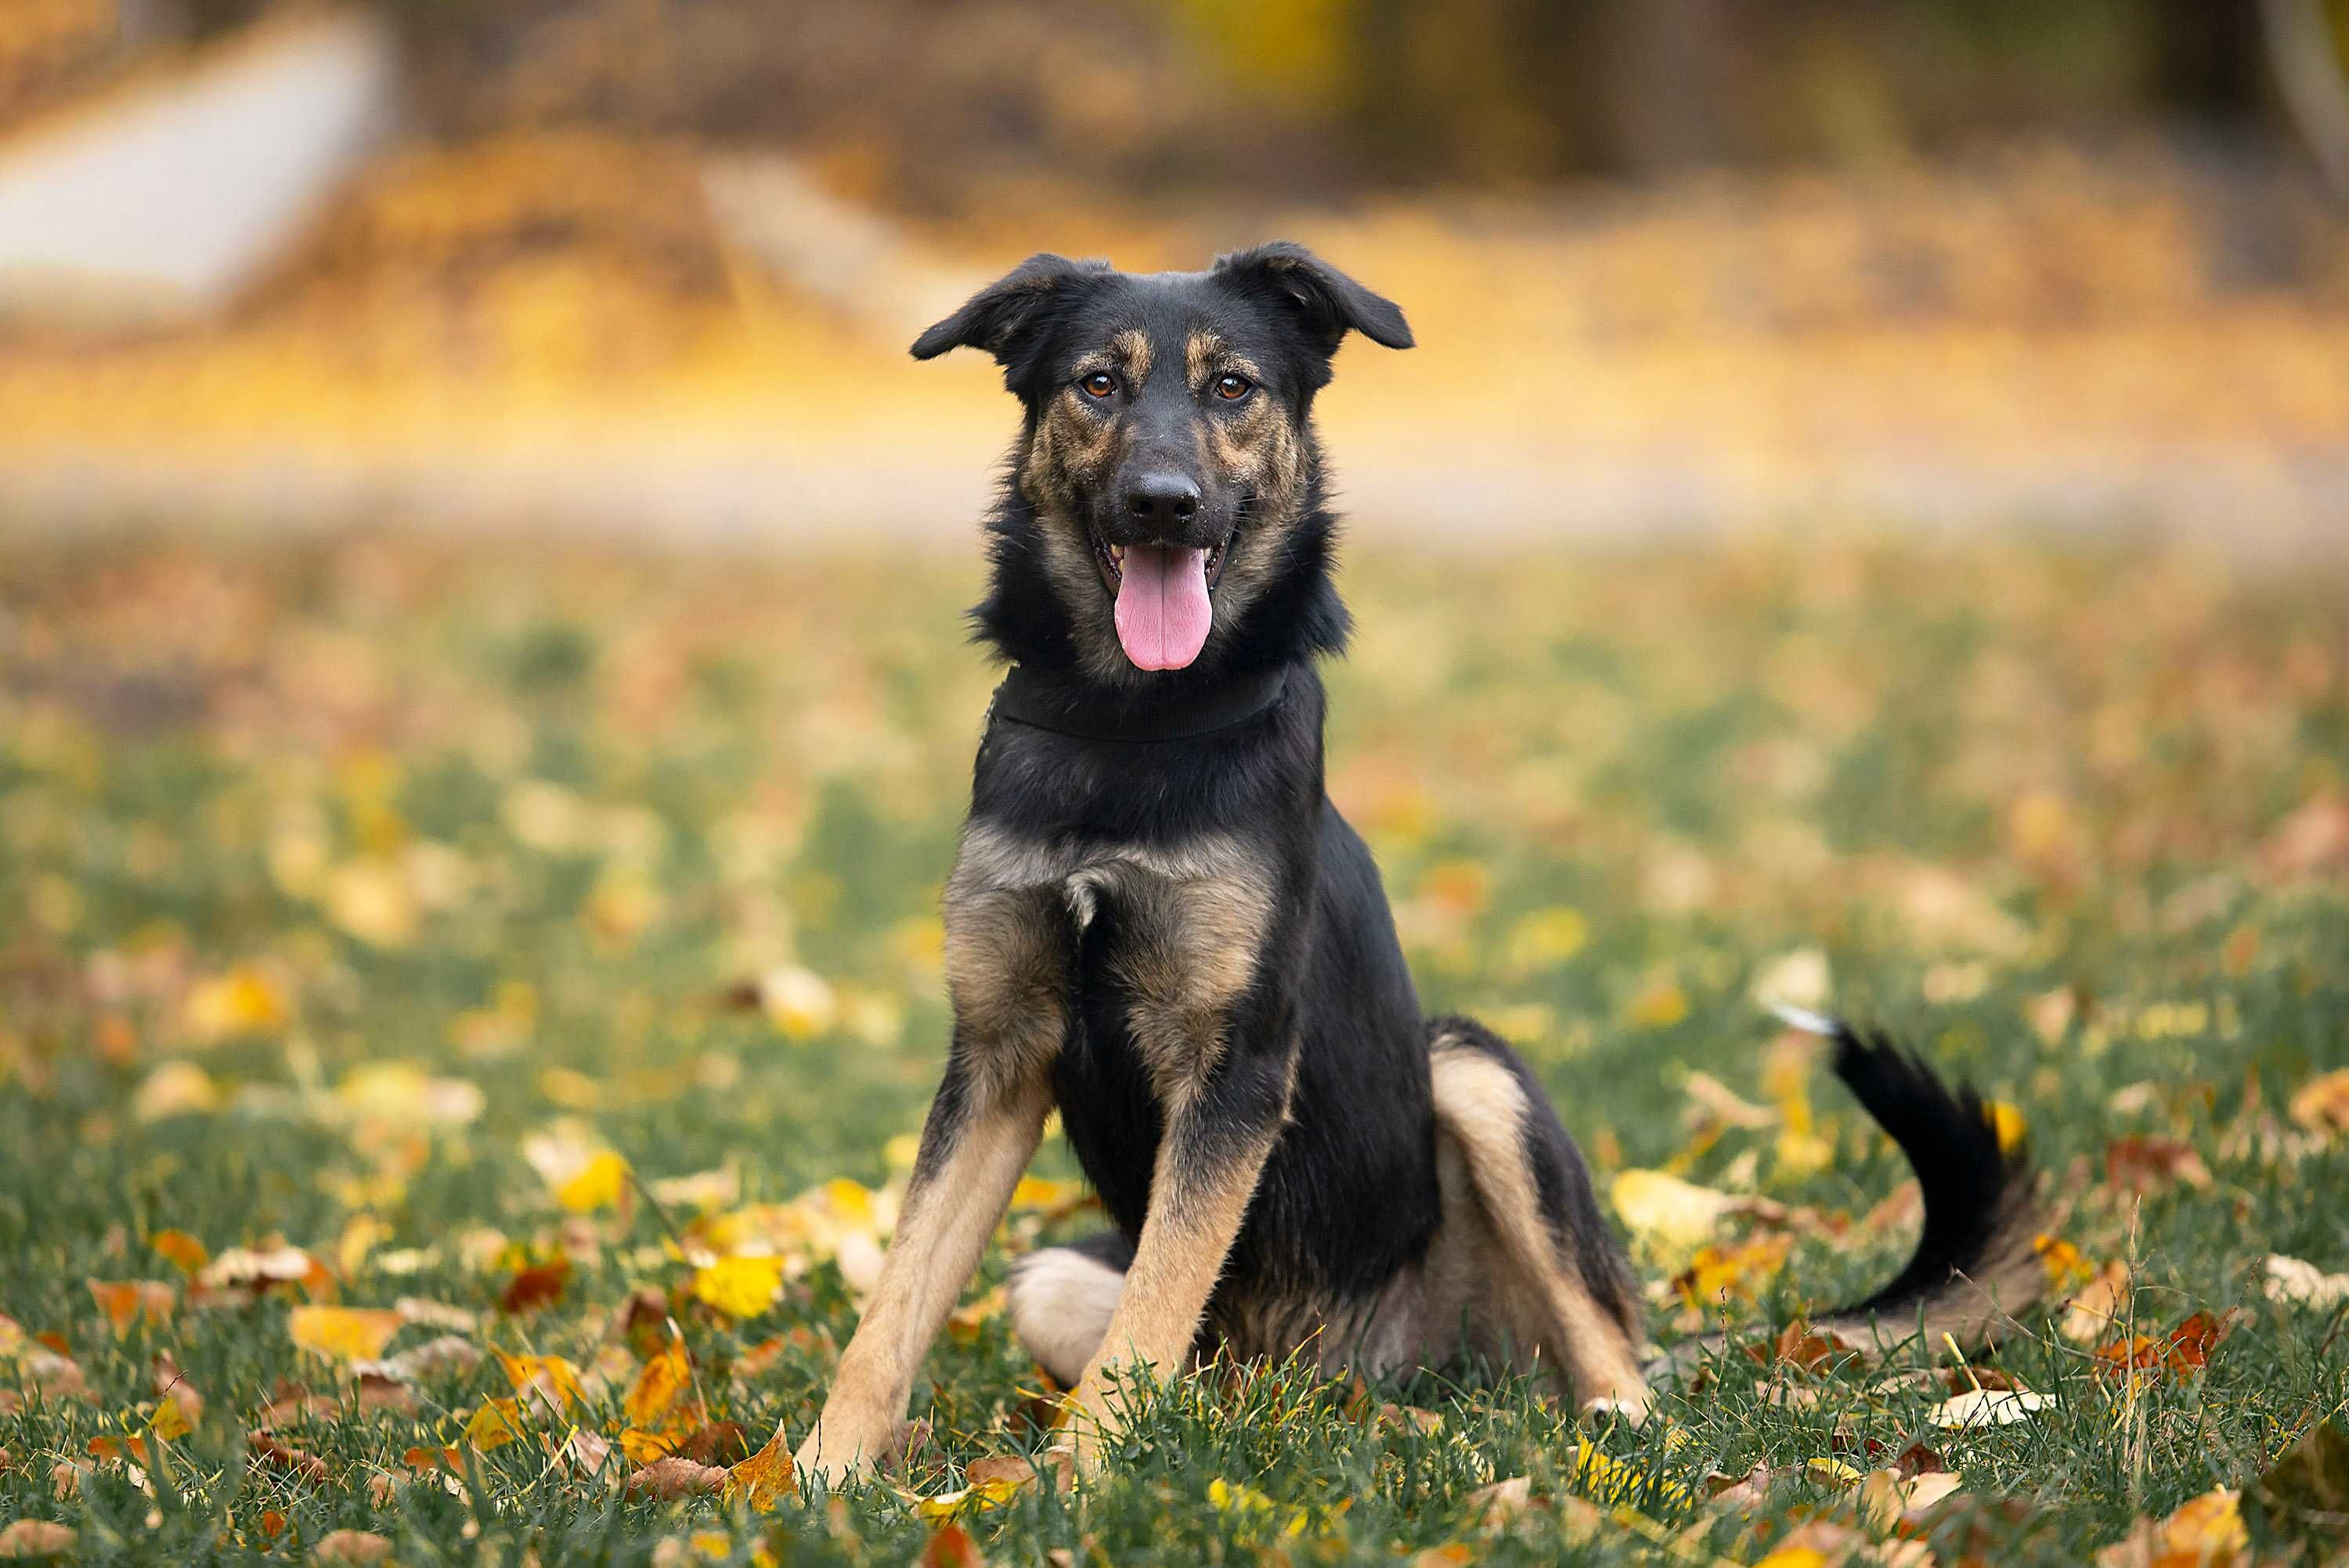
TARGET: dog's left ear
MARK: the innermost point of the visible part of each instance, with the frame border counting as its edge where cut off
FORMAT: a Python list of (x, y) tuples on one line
[(1001, 316), (1328, 304)]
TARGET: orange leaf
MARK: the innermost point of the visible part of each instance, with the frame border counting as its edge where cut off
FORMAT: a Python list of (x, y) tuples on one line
[(124, 1302), (658, 1383), (180, 1249), (766, 1477), (951, 1547)]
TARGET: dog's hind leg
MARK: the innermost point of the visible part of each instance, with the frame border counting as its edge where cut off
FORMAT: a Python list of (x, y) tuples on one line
[(1061, 1299), (1575, 1301)]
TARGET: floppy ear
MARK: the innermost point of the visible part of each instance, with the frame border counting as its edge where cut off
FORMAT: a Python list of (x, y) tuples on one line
[(1329, 302), (996, 317)]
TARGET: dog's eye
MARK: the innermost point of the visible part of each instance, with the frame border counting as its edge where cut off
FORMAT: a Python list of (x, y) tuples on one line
[(1100, 384), (1232, 389)]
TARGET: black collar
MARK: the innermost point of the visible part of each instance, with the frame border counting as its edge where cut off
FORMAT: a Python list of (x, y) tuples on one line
[(1039, 702)]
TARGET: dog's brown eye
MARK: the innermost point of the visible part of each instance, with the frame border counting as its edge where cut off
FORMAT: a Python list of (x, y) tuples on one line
[(1234, 387), (1100, 384)]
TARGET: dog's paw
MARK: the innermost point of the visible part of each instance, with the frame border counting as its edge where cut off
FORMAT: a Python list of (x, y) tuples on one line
[(842, 1452), (1631, 1410)]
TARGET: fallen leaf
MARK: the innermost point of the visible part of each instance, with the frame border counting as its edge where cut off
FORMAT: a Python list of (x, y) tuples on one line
[(674, 1478), (343, 1333), (2307, 1487), (1662, 1209), (658, 1385), (765, 1478), (1736, 1273), (125, 1302), (2099, 1305), (1988, 1408), (2207, 1532), (2182, 1352), (951, 1547), (2321, 1104), (739, 1287), (277, 1455), (497, 1423), (434, 1356), (2141, 1162), (599, 1184), (587, 1454), (2292, 1280), (540, 1284), (181, 1249)]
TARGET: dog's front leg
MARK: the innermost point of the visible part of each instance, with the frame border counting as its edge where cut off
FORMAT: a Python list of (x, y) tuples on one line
[(1216, 1139), (979, 1137)]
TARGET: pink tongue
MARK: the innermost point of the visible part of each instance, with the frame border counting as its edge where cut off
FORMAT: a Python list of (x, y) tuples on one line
[(1162, 612)]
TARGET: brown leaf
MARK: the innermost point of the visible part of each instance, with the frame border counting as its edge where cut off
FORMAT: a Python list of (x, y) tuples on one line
[(2207, 1532), (719, 1443), (540, 1284), (1019, 1472), (674, 1477), (279, 1456), (2142, 1163)]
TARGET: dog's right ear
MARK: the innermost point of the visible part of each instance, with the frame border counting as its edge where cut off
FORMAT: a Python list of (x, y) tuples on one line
[(999, 317)]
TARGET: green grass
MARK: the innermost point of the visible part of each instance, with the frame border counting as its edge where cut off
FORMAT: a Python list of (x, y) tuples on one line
[(2057, 815)]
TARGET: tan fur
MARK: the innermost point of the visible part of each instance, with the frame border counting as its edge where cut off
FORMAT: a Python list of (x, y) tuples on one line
[(1194, 1216), (941, 1234), (1193, 952), (1481, 1106), (1007, 971)]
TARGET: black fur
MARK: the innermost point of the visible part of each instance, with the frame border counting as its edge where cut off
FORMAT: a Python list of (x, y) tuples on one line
[(1972, 1187), (1325, 1048)]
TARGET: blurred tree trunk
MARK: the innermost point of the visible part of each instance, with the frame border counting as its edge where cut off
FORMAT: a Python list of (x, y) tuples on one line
[(1663, 79)]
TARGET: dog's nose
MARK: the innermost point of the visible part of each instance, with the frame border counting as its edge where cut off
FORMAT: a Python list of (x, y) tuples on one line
[(1162, 501)]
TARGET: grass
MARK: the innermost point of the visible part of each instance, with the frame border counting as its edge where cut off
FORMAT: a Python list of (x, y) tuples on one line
[(338, 881)]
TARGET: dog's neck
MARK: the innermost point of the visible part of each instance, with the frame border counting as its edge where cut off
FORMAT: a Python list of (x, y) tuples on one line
[(1135, 718)]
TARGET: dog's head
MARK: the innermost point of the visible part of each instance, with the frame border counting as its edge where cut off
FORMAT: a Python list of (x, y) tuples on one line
[(1166, 470)]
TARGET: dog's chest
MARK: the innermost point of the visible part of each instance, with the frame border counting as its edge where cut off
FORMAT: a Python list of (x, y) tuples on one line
[(1145, 946)]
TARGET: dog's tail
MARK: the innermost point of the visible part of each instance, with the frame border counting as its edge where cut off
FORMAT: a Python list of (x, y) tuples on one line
[(1976, 1268)]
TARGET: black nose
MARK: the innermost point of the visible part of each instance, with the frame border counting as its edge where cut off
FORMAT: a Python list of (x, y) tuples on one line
[(1162, 501)]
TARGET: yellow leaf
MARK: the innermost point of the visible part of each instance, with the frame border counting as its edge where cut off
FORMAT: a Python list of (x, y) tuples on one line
[(597, 1185), (1665, 1210), (1658, 1005), (2008, 1119), (180, 1249), (242, 1002), (552, 1378), (658, 1383), (765, 1478), (343, 1333), (1610, 1480), (1794, 1557), (497, 1423), (739, 1287), (1832, 1474), (170, 1422)]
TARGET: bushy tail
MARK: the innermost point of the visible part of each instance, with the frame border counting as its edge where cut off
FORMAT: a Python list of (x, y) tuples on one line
[(1975, 1269)]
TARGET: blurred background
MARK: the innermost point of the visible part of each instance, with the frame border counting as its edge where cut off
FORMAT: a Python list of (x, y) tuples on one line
[(648, 267)]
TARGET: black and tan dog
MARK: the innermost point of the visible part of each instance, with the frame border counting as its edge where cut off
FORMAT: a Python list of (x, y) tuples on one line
[(1160, 924)]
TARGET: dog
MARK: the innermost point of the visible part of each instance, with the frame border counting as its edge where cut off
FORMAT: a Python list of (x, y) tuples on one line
[(1159, 924)]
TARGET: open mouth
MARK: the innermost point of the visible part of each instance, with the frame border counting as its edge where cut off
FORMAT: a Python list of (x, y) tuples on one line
[(1110, 559), (1162, 591)]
